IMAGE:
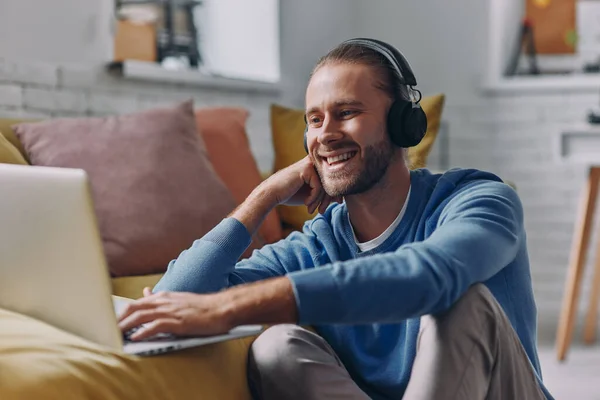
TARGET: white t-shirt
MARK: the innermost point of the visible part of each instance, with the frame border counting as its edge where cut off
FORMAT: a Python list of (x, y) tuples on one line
[(371, 244)]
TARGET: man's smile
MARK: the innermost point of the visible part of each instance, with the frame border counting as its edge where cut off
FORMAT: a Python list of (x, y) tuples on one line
[(338, 160)]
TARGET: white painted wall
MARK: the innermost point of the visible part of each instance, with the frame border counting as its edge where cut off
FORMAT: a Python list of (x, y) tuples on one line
[(309, 29), (505, 17), (243, 44), (57, 31), (444, 41)]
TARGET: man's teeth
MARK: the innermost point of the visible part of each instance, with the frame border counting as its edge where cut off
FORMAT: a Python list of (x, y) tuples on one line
[(341, 157)]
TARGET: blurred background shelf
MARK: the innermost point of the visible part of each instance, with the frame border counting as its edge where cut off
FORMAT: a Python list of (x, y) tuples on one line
[(544, 83), (149, 71)]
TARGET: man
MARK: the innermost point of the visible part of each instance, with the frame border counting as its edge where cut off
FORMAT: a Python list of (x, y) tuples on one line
[(417, 285)]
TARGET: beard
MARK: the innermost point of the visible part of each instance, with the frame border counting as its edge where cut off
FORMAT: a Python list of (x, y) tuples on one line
[(376, 160)]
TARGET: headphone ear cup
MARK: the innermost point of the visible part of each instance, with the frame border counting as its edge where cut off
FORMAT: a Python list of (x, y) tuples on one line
[(415, 125), (305, 142), (395, 125), (407, 124), (305, 131)]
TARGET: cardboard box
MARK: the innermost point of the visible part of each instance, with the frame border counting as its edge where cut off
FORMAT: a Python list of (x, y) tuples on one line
[(135, 41)]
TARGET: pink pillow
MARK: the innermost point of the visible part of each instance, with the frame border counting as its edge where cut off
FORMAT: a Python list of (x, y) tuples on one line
[(154, 188)]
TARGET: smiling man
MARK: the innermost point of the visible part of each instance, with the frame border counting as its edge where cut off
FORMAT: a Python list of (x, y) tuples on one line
[(417, 285)]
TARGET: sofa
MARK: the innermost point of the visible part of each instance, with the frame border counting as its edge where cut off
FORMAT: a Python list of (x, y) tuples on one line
[(39, 361)]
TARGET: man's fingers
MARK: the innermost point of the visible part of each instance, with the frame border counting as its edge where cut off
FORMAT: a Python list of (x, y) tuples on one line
[(324, 204), (312, 198), (161, 325), (313, 206), (152, 300), (147, 291), (141, 304), (142, 317)]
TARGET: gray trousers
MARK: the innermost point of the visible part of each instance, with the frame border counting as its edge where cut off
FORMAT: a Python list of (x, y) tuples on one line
[(470, 351)]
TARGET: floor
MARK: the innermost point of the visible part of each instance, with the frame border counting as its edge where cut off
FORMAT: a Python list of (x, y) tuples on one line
[(578, 377)]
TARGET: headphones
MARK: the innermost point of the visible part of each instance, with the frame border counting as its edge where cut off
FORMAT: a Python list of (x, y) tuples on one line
[(406, 120)]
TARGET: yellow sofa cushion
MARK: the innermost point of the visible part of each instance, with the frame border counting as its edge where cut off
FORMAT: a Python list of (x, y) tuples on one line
[(41, 362), (131, 287), (287, 127), (9, 153), (9, 134), (433, 107)]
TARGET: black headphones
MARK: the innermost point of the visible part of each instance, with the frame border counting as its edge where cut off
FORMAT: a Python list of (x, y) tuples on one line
[(406, 120)]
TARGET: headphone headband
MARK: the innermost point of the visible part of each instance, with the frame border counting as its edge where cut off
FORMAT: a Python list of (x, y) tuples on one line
[(392, 54)]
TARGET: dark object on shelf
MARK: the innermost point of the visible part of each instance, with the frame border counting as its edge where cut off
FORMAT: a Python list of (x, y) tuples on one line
[(169, 42), (592, 67), (593, 118), (526, 45)]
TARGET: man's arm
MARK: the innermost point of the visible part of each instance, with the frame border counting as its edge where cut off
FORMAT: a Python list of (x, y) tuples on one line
[(185, 314), (209, 263), (479, 233)]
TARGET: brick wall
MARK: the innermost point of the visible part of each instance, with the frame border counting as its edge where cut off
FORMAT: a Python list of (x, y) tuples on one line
[(512, 134), (36, 90)]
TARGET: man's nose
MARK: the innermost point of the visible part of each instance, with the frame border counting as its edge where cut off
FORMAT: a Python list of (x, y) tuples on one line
[(330, 132)]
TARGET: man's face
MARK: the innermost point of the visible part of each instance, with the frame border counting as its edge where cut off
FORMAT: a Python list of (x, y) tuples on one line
[(347, 139)]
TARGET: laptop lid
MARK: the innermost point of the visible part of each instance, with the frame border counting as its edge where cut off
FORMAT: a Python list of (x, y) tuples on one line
[(52, 264)]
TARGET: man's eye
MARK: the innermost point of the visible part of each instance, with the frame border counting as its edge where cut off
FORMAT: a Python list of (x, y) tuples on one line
[(347, 113), (314, 120)]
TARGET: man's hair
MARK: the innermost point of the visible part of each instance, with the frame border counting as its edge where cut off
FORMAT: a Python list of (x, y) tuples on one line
[(351, 53)]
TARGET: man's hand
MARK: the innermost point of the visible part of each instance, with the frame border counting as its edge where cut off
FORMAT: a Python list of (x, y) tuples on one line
[(182, 314), (270, 301), (295, 185), (299, 184)]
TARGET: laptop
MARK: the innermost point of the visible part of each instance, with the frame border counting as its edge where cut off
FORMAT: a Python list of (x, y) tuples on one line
[(52, 263)]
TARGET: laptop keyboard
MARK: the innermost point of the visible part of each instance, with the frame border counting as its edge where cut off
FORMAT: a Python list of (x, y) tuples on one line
[(127, 335), (157, 337)]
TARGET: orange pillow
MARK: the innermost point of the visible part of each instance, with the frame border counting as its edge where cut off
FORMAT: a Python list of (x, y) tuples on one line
[(224, 132)]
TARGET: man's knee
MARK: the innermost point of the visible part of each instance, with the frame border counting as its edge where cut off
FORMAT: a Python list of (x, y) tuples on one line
[(272, 350), (475, 309), (476, 301), (280, 349)]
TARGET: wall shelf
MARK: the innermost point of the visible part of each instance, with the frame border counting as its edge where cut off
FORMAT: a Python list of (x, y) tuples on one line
[(578, 144), (582, 83), (153, 72)]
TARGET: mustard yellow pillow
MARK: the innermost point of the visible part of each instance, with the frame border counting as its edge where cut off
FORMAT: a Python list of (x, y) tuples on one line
[(287, 126), (9, 153), (9, 134), (41, 362), (433, 107), (131, 287)]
